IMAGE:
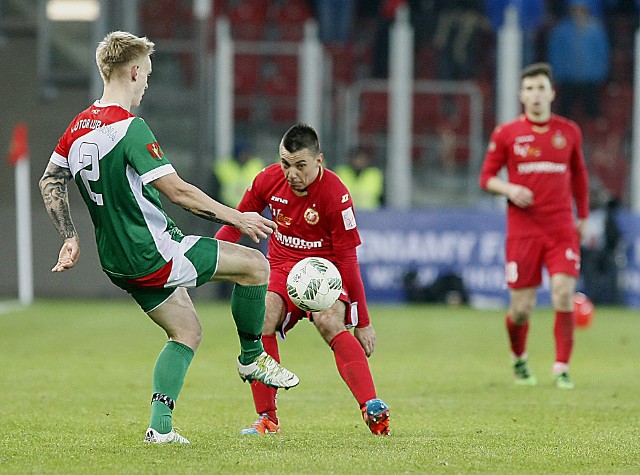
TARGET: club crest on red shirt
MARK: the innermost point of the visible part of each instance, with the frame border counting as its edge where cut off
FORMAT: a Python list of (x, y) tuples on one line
[(155, 150), (311, 216), (559, 140)]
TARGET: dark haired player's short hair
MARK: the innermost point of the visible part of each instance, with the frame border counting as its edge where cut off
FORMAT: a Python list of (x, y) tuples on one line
[(299, 137), (536, 69)]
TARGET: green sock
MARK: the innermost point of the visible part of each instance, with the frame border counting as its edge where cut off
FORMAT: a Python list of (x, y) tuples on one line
[(247, 308), (168, 377)]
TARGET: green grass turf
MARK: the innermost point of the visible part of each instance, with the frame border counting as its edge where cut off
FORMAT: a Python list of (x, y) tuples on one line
[(75, 381)]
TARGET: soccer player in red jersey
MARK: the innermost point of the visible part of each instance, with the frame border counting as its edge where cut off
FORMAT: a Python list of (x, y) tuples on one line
[(315, 217), (546, 173)]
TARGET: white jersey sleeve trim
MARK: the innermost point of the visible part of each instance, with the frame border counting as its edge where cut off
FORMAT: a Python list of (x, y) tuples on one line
[(157, 173), (59, 160)]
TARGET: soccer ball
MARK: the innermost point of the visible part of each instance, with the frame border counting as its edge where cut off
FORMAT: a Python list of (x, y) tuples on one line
[(583, 310), (314, 284)]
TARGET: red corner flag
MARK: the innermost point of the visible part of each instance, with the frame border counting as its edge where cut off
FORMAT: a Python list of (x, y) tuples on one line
[(19, 147)]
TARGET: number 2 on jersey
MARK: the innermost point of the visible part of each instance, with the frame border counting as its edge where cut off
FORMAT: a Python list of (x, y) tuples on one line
[(90, 155)]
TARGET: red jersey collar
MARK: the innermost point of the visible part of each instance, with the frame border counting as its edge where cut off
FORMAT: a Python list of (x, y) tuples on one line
[(537, 124)]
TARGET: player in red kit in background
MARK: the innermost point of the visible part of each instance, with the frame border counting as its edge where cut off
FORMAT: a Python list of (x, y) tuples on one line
[(315, 217), (546, 173)]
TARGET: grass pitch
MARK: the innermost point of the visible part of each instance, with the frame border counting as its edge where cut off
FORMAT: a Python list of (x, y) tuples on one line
[(75, 380)]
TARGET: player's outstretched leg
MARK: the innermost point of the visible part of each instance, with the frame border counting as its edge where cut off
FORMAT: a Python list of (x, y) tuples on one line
[(268, 371), (254, 364), (376, 415)]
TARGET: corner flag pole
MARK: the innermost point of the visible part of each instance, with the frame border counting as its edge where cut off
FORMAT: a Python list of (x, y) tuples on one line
[(19, 159)]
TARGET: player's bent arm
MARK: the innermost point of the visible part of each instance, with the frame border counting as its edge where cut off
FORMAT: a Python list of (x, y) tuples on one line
[(519, 195), (347, 264), (581, 225), (196, 201), (53, 188)]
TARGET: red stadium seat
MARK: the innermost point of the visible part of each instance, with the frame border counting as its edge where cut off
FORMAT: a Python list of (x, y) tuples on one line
[(343, 62), (427, 112), (247, 69), (248, 20), (281, 85), (373, 112), (425, 63), (158, 18), (290, 18), (284, 112), (616, 104), (283, 77)]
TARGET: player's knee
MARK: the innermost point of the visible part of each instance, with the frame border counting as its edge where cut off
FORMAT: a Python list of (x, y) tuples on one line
[(562, 298), (520, 313), (261, 272), (257, 270), (190, 336)]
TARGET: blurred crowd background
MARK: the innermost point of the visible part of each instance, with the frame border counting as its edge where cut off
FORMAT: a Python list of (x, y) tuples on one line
[(48, 75)]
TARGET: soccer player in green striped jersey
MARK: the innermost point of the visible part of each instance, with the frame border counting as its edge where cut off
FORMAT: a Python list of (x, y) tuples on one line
[(120, 170)]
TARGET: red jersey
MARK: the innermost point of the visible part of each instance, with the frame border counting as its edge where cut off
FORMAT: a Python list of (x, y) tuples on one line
[(320, 223), (546, 158)]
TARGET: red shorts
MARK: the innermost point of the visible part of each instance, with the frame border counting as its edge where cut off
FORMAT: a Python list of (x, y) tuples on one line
[(559, 252), (278, 284)]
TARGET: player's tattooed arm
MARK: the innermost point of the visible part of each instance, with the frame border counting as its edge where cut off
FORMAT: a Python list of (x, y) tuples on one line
[(208, 215), (53, 187)]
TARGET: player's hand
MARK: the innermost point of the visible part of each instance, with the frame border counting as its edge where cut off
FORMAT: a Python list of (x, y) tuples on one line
[(367, 338), (519, 195), (581, 225), (255, 226), (68, 256)]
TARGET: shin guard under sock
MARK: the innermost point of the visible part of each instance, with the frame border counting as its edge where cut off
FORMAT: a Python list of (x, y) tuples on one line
[(264, 397), (353, 367), (247, 308), (168, 377), (563, 333)]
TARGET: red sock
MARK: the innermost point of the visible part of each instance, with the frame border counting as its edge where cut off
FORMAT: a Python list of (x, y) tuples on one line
[(563, 332), (517, 336), (353, 366), (264, 397)]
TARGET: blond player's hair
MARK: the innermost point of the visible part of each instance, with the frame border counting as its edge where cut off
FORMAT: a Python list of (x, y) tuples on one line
[(118, 49)]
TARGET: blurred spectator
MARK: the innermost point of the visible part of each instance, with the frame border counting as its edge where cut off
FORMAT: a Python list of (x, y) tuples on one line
[(424, 18), (610, 166), (233, 175), (335, 18), (364, 180), (560, 8), (458, 29), (386, 15), (599, 248), (579, 53), (531, 14)]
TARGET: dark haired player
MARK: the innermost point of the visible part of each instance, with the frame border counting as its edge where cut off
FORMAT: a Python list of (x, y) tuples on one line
[(546, 173), (315, 217)]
